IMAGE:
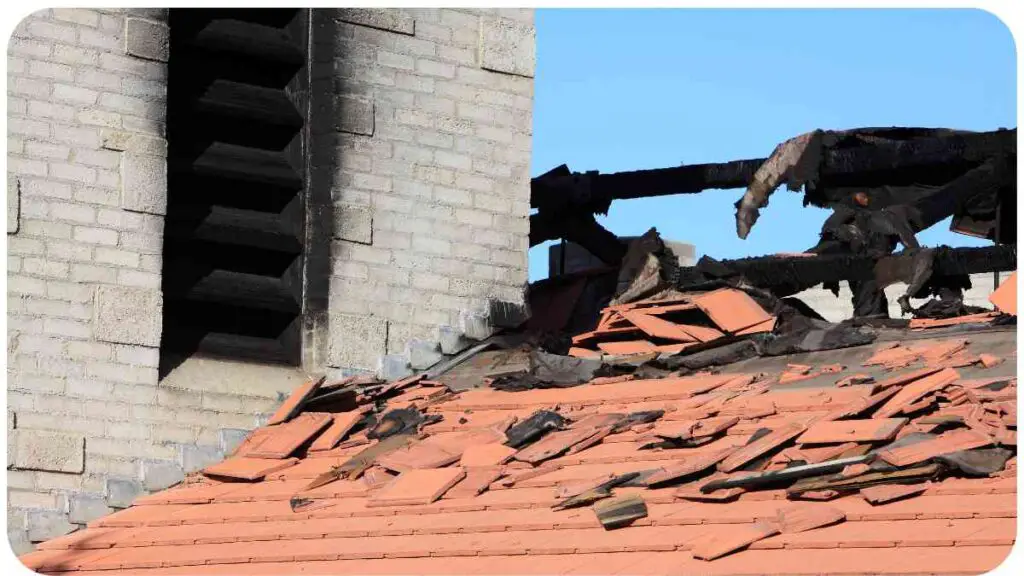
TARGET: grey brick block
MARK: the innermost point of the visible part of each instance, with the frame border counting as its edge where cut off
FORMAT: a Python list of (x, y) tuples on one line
[(128, 315), (354, 115), (353, 223), (157, 475), (86, 508), (198, 457), (146, 39), (230, 439), (49, 451), (356, 341), (121, 493), (475, 325), (135, 142), (13, 204), (452, 340), (46, 525), (144, 183), (393, 367), (422, 354), (391, 20), (507, 46)]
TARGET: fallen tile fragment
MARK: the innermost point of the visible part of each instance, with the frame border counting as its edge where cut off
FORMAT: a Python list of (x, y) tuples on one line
[(341, 425), (1005, 297), (729, 538), (731, 310), (620, 512), (485, 455), (953, 441), (293, 405), (354, 467), (244, 468), (476, 481), (656, 327), (875, 429), (286, 438), (416, 456), (797, 518), (627, 347), (885, 493), (988, 360), (915, 390), (685, 467), (762, 445), (417, 487), (552, 445)]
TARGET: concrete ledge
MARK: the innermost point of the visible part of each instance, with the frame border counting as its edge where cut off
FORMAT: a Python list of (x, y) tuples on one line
[(388, 19)]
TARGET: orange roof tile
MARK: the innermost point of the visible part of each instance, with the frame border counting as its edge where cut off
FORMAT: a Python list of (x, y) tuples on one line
[(732, 310), (1005, 297), (245, 468), (465, 517)]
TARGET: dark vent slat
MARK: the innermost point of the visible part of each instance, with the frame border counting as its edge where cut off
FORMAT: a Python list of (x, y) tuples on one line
[(233, 242)]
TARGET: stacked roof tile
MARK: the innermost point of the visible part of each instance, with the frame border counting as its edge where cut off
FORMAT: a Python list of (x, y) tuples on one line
[(797, 470)]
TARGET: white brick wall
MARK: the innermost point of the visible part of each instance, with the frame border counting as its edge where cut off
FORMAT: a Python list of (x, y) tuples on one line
[(428, 170), (444, 170)]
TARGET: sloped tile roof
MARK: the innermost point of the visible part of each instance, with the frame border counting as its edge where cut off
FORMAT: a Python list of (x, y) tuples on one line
[(454, 500)]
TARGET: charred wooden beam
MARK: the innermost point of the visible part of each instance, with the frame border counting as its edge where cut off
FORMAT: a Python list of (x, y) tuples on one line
[(581, 228), (786, 276)]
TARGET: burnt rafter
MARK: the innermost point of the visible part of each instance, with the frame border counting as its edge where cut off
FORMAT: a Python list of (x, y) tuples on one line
[(917, 176), (234, 244)]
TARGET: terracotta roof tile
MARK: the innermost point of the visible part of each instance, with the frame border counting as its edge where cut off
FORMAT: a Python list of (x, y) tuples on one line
[(245, 468), (626, 347), (443, 523), (656, 327), (286, 438), (1005, 297), (294, 402), (340, 426), (417, 487), (732, 310), (944, 444)]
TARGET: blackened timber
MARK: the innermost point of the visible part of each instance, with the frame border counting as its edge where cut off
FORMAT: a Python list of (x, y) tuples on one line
[(581, 228), (915, 161), (786, 276)]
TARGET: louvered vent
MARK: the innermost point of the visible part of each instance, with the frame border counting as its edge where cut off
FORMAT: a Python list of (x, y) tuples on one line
[(233, 248)]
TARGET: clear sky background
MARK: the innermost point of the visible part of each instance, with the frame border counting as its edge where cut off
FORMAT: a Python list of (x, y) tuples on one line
[(632, 89)]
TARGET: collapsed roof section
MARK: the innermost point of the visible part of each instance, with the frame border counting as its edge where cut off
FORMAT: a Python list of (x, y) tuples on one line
[(884, 186), (564, 465)]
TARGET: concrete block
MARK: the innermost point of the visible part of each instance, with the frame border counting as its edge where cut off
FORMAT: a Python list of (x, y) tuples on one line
[(388, 19), (198, 457), (134, 142), (144, 183), (85, 508), (353, 223), (356, 341), (393, 367), (422, 354), (157, 475), (507, 46), (452, 340), (507, 314), (121, 493), (230, 439), (17, 535), (128, 315), (12, 418), (146, 39), (13, 204), (475, 325), (46, 524), (49, 451), (354, 114)]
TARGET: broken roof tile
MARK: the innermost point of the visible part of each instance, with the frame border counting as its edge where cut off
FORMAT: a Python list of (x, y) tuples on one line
[(485, 455), (627, 347), (341, 425), (417, 487), (912, 392), (797, 518), (656, 327), (294, 403), (416, 456), (731, 310), (852, 431), (762, 445), (283, 439), (1005, 297), (953, 441), (885, 493), (725, 539), (245, 468)]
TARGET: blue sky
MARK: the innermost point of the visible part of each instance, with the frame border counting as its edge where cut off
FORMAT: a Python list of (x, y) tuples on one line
[(631, 89)]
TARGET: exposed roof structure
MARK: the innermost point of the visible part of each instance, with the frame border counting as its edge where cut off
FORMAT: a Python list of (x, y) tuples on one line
[(893, 457)]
